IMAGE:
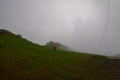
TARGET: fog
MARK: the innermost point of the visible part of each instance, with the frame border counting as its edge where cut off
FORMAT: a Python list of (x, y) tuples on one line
[(79, 24)]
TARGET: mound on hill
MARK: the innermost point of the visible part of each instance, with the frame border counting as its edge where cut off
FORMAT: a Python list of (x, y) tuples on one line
[(21, 59), (2, 31), (59, 46)]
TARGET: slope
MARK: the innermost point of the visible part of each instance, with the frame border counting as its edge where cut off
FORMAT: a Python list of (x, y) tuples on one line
[(21, 59)]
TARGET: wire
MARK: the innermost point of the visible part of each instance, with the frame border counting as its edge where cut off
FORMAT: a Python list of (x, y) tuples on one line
[(107, 22)]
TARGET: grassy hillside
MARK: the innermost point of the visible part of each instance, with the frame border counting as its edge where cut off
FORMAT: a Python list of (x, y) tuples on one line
[(21, 59)]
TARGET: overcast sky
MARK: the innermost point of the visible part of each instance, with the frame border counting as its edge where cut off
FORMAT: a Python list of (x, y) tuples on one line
[(79, 24)]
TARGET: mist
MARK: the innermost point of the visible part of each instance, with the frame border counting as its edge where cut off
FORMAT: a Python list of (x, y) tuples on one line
[(79, 24)]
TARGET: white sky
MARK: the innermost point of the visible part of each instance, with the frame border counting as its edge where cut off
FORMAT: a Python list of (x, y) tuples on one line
[(79, 24)]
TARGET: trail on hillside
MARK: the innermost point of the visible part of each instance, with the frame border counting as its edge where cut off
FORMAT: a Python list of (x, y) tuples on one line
[(112, 67)]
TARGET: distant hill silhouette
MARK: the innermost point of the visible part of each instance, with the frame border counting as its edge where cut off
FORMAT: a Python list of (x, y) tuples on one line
[(59, 46)]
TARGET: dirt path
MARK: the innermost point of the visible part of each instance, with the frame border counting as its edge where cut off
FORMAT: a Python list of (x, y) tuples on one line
[(113, 68)]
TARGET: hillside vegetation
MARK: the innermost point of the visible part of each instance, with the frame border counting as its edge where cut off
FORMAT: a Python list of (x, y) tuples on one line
[(21, 59)]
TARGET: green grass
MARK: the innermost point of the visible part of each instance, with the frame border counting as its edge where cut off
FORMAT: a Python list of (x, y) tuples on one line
[(24, 60)]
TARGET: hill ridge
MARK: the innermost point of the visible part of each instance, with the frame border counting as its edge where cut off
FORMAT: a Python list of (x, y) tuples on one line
[(4, 31)]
